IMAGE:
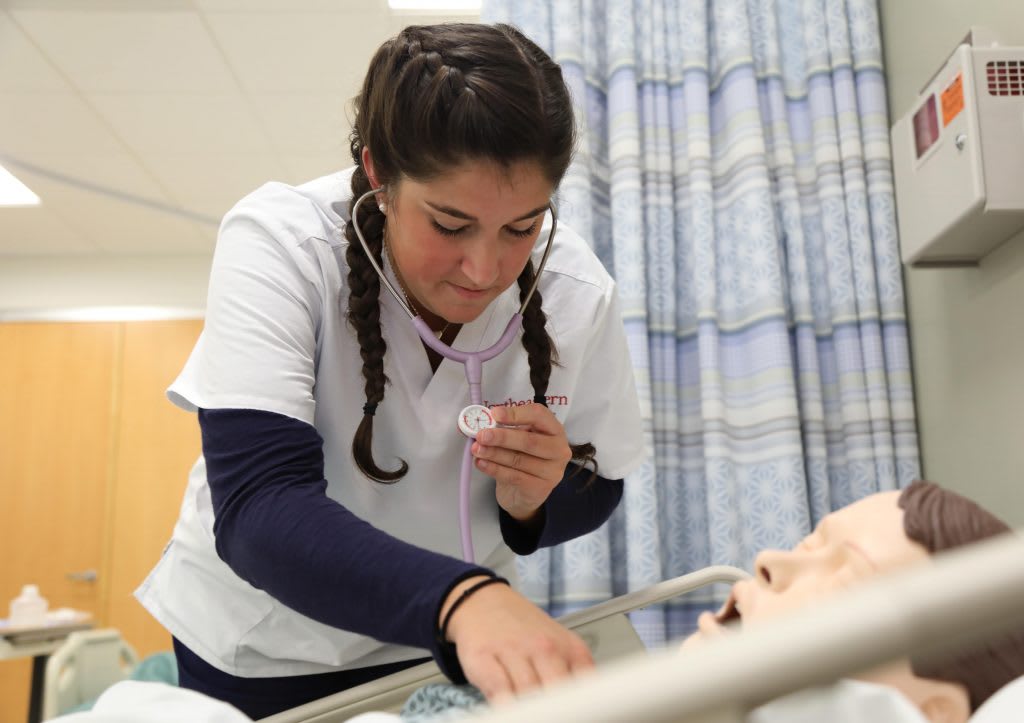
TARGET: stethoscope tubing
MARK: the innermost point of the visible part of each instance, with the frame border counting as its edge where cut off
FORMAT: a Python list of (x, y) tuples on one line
[(472, 361)]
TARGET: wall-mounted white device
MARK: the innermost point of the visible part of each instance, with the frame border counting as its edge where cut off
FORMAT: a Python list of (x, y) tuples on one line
[(958, 156)]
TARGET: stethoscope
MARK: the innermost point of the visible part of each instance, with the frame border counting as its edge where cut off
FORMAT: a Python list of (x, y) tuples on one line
[(476, 416)]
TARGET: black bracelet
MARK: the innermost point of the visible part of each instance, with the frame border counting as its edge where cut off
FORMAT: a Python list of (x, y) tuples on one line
[(442, 634)]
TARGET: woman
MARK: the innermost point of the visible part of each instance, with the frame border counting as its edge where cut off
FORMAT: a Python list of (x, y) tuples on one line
[(318, 544)]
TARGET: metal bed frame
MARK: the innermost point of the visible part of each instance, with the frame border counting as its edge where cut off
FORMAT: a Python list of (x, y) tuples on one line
[(961, 597), (604, 627)]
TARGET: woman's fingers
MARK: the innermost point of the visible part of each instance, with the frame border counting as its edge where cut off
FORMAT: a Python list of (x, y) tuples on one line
[(552, 668), (520, 670), (536, 416), (488, 674), (511, 670), (527, 461), (523, 443)]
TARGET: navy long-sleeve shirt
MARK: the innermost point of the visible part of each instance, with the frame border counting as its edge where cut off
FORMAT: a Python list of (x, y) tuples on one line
[(276, 528)]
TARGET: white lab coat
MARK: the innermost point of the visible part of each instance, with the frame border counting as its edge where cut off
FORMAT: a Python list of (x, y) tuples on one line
[(276, 339)]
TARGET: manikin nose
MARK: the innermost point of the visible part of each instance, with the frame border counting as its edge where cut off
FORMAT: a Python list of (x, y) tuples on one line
[(776, 568)]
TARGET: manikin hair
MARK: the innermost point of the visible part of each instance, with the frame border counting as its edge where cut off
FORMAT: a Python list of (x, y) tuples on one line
[(436, 96), (941, 520)]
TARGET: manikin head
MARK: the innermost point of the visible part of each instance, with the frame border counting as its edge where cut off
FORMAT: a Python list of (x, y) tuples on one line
[(878, 534)]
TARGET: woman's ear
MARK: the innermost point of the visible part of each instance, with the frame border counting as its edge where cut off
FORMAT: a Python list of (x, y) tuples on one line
[(371, 175)]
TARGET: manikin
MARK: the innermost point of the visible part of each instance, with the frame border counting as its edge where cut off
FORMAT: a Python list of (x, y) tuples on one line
[(881, 533)]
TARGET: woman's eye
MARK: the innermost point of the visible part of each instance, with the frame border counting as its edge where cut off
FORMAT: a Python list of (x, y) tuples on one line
[(445, 230), (523, 233)]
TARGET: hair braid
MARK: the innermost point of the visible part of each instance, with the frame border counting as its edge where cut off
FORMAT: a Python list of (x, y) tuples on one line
[(541, 352), (364, 316), (440, 83)]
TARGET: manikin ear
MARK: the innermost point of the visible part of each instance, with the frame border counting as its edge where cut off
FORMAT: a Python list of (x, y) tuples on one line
[(945, 706), (371, 174), (938, 700)]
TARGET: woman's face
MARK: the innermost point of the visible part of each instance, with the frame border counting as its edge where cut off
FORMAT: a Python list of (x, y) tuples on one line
[(462, 238)]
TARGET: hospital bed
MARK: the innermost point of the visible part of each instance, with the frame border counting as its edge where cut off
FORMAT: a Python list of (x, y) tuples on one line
[(964, 596), (604, 627)]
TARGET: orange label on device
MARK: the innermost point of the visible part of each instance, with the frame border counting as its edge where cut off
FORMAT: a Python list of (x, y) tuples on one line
[(953, 100)]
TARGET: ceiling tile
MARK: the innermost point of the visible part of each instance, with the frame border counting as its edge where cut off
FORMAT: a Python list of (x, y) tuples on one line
[(210, 184), (141, 223), (306, 123), (110, 174), (306, 167), (183, 123), (319, 52), (98, 5), (22, 67), (109, 51), (118, 227), (131, 121), (37, 230), (367, 7), (52, 122), (399, 20)]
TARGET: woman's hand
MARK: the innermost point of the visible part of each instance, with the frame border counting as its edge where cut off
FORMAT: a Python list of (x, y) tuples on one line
[(526, 461), (507, 645)]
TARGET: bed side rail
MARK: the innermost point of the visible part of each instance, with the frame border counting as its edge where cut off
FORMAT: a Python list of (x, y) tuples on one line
[(603, 626)]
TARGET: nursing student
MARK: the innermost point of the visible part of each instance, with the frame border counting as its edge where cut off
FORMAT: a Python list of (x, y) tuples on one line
[(318, 544)]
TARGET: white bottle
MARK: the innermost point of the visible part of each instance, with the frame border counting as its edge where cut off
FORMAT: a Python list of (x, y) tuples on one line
[(28, 609)]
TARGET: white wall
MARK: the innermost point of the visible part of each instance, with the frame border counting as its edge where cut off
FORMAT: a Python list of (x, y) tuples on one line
[(33, 286), (966, 325)]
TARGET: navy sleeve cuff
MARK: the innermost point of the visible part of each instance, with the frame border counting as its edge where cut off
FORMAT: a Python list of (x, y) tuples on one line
[(576, 506)]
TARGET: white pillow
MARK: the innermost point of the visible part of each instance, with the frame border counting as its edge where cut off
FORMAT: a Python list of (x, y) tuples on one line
[(134, 701), (1005, 706), (848, 701)]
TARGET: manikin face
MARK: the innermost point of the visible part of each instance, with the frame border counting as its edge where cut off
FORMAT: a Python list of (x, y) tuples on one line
[(462, 238), (848, 546)]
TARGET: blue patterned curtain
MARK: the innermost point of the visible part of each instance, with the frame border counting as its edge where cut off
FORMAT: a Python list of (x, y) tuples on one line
[(734, 176)]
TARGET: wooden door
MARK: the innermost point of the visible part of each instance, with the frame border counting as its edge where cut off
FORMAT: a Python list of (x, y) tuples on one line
[(56, 432), (157, 444)]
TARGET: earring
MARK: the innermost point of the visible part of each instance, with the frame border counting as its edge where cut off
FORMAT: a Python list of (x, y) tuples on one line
[(383, 208)]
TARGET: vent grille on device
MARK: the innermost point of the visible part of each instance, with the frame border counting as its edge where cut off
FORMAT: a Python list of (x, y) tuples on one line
[(1005, 77)]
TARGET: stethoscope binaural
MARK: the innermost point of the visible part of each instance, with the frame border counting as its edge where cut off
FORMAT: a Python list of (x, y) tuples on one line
[(475, 417)]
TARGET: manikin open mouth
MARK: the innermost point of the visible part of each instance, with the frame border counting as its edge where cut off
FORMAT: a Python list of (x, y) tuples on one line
[(729, 612)]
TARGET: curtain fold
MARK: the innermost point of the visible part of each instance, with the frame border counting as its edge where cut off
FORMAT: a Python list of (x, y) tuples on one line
[(733, 174)]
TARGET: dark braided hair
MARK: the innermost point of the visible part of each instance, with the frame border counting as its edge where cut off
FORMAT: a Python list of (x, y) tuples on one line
[(542, 354), (436, 96)]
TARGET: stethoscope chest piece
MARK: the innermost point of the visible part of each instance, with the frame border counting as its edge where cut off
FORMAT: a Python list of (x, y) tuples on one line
[(475, 418)]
